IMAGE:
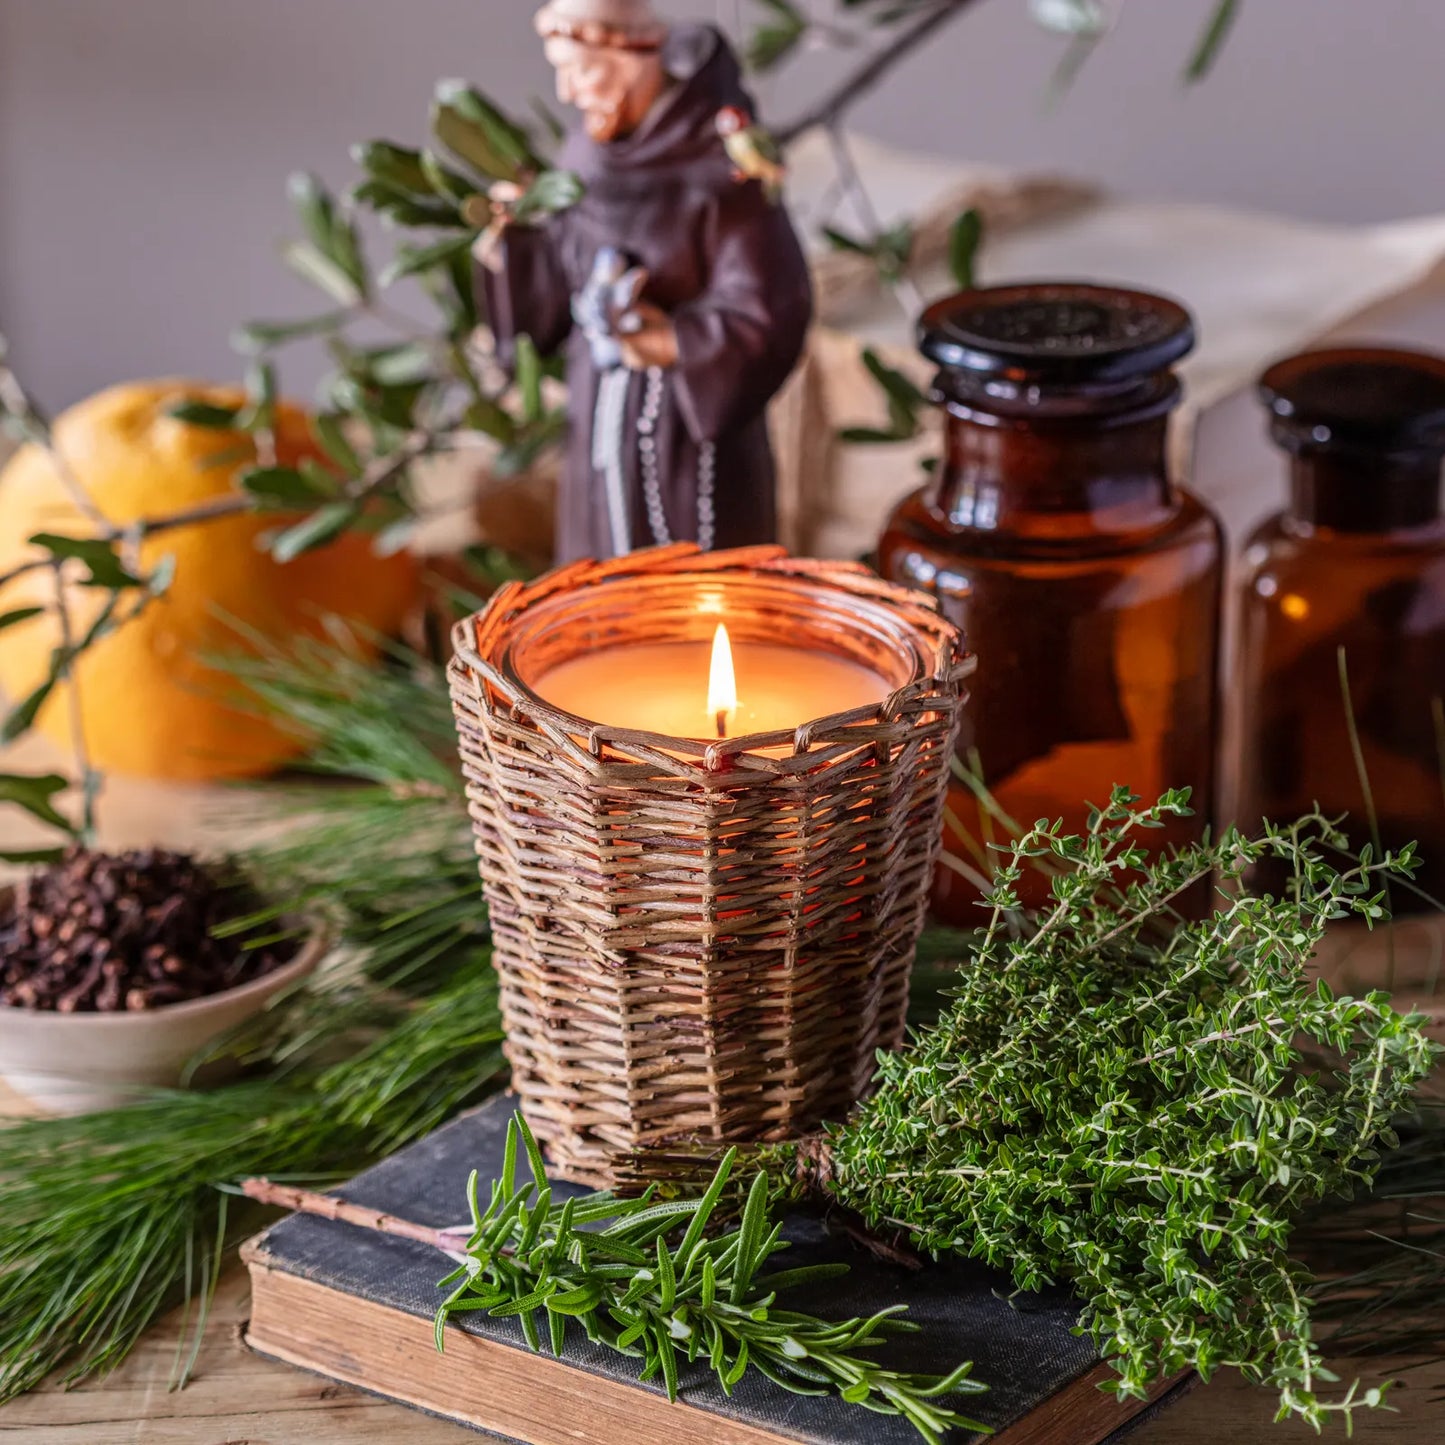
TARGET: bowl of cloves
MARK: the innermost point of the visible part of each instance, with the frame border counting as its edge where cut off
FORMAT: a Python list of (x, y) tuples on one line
[(118, 970)]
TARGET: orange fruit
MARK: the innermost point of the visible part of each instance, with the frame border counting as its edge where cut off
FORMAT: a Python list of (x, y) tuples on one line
[(150, 705)]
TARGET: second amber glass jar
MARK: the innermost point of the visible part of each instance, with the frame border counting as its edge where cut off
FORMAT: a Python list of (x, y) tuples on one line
[(1085, 582), (1340, 687)]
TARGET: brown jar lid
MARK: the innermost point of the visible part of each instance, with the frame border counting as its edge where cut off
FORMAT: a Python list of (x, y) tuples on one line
[(1056, 333), (1365, 398)]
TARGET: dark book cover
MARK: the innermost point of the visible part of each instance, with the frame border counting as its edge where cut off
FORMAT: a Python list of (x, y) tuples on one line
[(358, 1306)]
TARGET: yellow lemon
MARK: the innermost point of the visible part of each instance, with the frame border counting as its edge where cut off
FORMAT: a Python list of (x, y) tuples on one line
[(150, 705)]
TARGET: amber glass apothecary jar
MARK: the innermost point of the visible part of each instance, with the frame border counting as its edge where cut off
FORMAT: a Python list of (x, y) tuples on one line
[(1087, 584), (1342, 608)]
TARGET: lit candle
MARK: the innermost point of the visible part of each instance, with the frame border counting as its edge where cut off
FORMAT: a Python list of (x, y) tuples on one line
[(698, 936), (716, 689)]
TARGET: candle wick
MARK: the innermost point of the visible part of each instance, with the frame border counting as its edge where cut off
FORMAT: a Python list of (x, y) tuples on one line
[(722, 723)]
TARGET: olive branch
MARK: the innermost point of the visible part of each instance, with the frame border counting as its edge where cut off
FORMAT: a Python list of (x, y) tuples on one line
[(435, 386), (388, 406)]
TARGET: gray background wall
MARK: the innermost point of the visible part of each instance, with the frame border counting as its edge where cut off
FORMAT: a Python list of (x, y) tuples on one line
[(144, 144)]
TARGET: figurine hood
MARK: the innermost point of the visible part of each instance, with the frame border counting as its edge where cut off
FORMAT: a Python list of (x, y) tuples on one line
[(622, 24), (680, 135)]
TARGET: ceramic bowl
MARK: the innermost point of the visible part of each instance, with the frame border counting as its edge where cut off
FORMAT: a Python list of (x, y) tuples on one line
[(79, 1063)]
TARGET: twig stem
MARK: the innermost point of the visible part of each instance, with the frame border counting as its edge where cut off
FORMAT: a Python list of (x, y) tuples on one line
[(86, 776), (865, 77), (1362, 771), (327, 1206), (903, 286), (15, 402), (376, 476)]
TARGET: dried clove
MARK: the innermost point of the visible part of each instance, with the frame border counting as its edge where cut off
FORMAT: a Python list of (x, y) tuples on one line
[(101, 933)]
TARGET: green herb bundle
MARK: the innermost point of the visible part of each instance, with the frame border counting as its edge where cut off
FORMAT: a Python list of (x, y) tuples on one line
[(654, 1281), (1143, 1107)]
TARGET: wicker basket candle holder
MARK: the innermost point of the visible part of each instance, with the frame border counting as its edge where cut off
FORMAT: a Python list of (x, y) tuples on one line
[(707, 791)]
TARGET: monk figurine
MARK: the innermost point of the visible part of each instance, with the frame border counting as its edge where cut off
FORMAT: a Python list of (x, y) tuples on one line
[(677, 284)]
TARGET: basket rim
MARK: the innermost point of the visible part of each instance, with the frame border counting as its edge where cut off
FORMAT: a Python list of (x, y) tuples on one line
[(917, 612)]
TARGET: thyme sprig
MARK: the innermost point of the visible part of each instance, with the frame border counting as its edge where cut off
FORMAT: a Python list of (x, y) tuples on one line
[(1120, 1099), (647, 1279)]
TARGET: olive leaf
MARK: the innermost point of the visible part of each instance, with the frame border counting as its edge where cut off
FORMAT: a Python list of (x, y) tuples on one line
[(775, 39), (491, 419), (103, 567), (551, 192), (905, 402), (891, 250), (19, 615), (404, 208), (36, 796), (162, 575), (284, 488), (204, 414), (528, 371), (392, 164), (21, 717), (321, 271), (330, 431), (1212, 41), (395, 537), (259, 413), (476, 131), (443, 180), (332, 235), (258, 336), (412, 260), (964, 241), (529, 445), (321, 527), (404, 364)]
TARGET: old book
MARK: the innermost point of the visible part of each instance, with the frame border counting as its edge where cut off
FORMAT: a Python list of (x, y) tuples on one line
[(358, 1307)]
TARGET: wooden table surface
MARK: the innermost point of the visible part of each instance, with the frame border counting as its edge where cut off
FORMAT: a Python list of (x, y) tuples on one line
[(237, 1398)]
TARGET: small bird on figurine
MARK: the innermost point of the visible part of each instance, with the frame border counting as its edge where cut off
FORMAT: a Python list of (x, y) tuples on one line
[(753, 152)]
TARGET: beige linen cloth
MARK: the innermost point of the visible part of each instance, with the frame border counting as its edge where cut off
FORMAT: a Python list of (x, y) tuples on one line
[(1261, 287)]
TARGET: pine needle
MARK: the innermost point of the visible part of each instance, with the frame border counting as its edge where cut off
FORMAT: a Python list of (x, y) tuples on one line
[(112, 1218)]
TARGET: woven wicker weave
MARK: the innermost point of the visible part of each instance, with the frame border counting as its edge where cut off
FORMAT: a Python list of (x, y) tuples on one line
[(694, 938)]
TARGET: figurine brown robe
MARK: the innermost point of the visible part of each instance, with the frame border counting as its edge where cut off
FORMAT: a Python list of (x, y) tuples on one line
[(680, 454)]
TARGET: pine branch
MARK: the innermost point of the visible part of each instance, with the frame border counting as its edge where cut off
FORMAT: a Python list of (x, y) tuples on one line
[(111, 1218)]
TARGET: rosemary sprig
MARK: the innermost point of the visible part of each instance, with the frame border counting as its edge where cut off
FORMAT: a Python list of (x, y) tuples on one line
[(620, 1271)]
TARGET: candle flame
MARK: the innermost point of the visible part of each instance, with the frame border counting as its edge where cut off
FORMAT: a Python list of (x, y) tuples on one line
[(722, 691)]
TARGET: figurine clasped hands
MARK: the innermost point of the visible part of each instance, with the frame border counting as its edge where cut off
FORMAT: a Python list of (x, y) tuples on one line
[(675, 285)]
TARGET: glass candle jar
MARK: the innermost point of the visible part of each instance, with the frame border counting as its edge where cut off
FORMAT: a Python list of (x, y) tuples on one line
[(1087, 584), (1341, 666)]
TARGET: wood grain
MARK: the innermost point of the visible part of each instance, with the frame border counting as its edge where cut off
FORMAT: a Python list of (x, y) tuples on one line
[(238, 1398)]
